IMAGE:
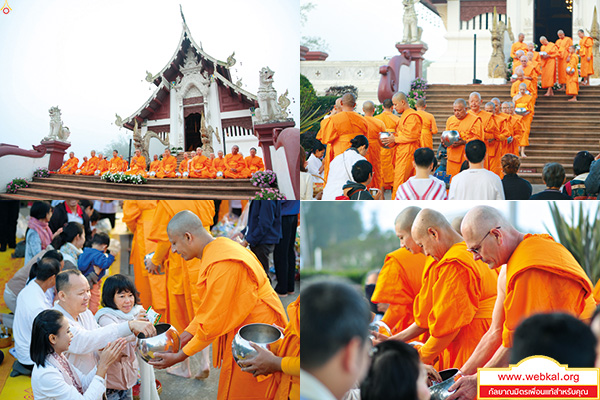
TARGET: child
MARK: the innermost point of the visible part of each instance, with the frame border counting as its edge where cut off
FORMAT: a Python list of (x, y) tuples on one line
[(362, 172), (422, 186), (93, 263)]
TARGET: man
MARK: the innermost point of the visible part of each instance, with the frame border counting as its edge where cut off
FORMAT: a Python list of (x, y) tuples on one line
[(548, 52), (337, 107), (201, 167), (540, 276), (184, 166), (533, 69), (399, 281), (516, 128), (489, 128), (470, 128), (563, 43), (263, 231), (517, 61), (586, 45), (70, 166), (82, 166), (407, 139), (476, 183), (30, 302), (168, 165), (73, 298), (219, 163), (337, 130), (429, 125), (496, 146), (235, 166), (154, 166), (422, 186), (92, 165), (138, 164), (234, 291), (454, 278), (572, 86), (514, 88), (116, 163), (334, 343), (536, 54), (518, 45), (390, 120), (102, 164), (524, 100), (374, 153), (254, 162)]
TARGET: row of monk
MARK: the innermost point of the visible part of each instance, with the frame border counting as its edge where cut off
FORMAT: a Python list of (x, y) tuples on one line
[(457, 293), (193, 165)]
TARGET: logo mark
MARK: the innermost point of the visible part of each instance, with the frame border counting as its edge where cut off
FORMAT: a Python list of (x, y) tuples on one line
[(6, 8)]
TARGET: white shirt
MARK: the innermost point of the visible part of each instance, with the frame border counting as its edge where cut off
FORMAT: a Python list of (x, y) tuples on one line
[(30, 302), (476, 184), (306, 186), (89, 337), (47, 382), (312, 389), (314, 163), (106, 207), (340, 172), (422, 189)]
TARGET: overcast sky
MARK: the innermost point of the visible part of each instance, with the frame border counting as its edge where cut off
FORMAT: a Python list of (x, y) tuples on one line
[(90, 58)]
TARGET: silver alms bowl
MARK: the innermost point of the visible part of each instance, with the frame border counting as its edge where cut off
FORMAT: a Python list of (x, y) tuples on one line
[(260, 334), (384, 135), (449, 137), (166, 340), (521, 111), (439, 391)]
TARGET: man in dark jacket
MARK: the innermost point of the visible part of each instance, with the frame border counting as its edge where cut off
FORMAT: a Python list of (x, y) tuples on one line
[(264, 229), (71, 210)]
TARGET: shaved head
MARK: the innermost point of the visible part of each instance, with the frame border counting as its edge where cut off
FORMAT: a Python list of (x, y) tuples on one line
[(338, 104), (460, 102), (481, 219), (403, 225), (420, 103), (187, 235), (185, 221), (433, 233), (400, 102), (400, 96), (475, 95), (349, 100), (387, 104), (369, 107)]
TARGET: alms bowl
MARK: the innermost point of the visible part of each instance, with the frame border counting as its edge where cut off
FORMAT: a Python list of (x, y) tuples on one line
[(450, 137), (383, 135), (521, 110), (260, 334), (439, 391), (166, 340)]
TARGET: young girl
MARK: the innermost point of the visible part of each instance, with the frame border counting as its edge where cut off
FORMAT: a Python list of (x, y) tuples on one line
[(53, 376), (70, 243)]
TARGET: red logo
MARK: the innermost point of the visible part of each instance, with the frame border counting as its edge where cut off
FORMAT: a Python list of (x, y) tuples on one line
[(6, 8)]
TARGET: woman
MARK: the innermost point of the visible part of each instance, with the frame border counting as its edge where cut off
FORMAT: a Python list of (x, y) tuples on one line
[(315, 165), (515, 187), (53, 376), (38, 235), (70, 242), (306, 180), (576, 186), (340, 169)]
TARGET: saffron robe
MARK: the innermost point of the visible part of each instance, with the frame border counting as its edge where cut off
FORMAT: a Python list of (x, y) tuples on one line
[(549, 65), (390, 120), (91, 167), (167, 167), (586, 50), (563, 51), (469, 128), (255, 164), (201, 167), (374, 152), (408, 139), (528, 102), (138, 166), (428, 130), (572, 88), (237, 162), (69, 167)]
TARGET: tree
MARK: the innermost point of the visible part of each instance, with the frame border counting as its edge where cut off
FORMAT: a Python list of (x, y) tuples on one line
[(121, 144)]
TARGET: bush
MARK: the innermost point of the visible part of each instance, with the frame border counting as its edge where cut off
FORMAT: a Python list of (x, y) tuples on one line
[(15, 184)]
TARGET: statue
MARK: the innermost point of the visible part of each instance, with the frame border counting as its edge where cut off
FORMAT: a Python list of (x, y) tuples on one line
[(497, 64), (594, 33), (284, 102), (118, 121), (231, 60), (149, 77), (57, 130), (269, 110), (239, 83), (206, 136), (412, 32)]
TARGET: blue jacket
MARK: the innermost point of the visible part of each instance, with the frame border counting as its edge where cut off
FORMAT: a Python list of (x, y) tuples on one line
[(91, 257), (290, 207), (264, 222)]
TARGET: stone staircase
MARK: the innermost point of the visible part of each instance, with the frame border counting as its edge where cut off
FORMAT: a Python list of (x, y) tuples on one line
[(559, 130), (58, 187)]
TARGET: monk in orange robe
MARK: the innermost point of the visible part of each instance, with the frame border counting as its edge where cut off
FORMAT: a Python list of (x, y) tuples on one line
[(548, 52), (540, 276), (374, 152), (82, 166), (518, 45), (586, 45), (572, 75), (536, 54), (523, 100), (154, 166), (512, 144), (254, 162), (517, 60), (337, 130), (489, 129), (406, 141), (429, 125), (138, 164), (234, 291), (457, 295), (533, 70), (168, 166), (469, 127), (201, 167), (184, 166), (563, 43), (92, 164), (514, 88), (70, 166), (390, 120), (103, 164), (219, 163), (124, 166), (235, 166), (116, 163), (496, 145)]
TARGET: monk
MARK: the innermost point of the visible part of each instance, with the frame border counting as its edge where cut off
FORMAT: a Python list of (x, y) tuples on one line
[(124, 166), (254, 162), (234, 291), (429, 125), (523, 100), (514, 88), (138, 164), (235, 166), (540, 276), (102, 164), (549, 52), (92, 165), (116, 163), (399, 281), (517, 61), (407, 139), (469, 127), (490, 130), (572, 86), (563, 43), (496, 145), (531, 72), (184, 166), (518, 45), (82, 166), (536, 54), (70, 166), (211, 158), (374, 152), (219, 163), (390, 120), (457, 295), (514, 121), (201, 167), (168, 165), (154, 166), (586, 45)]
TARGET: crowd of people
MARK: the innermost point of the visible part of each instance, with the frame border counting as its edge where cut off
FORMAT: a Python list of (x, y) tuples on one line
[(193, 165), (477, 293)]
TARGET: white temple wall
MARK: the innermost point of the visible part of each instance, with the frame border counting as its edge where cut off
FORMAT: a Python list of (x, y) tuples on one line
[(25, 165)]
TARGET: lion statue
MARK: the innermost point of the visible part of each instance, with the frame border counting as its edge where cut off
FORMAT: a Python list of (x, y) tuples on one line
[(268, 109), (57, 130)]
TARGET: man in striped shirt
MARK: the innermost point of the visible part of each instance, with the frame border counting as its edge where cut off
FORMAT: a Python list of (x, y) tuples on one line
[(422, 186)]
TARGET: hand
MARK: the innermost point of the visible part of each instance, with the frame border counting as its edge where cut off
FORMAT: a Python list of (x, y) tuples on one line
[(238, 235), (377, 337), (432, 375), (264, 363), (389, 141), (185, 337), (379, 195), (244, 243), (151, 267), (321, 168), (142, 316), (111, 353), (465, 388), (146, 328), (458, 143), (164, 360), (97, 270), (58, 232)]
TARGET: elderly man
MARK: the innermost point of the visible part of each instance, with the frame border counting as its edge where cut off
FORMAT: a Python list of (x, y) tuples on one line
[(470, 128), (496, 146), (70, 166), (254, 162), (548, 52), (563, 43), (201, 166), (168, 165), (154, 166), (116, 163), (490, 130), (235, 166), (540, 276), (518, 46), (73, 298), (457, 297), (92, 164), (138, 164), (218, 163), (516, 128)]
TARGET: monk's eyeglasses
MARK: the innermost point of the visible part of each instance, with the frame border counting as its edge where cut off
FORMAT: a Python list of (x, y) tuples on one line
[(475, 250)]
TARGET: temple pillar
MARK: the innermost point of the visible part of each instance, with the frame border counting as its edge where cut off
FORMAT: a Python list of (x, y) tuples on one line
[(57, 151), (267, 134), (416, 51)]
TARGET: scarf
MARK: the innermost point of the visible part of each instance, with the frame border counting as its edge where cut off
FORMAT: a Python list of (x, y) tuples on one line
[(130, 316), (69, 250), (42, 229), (62, 364)]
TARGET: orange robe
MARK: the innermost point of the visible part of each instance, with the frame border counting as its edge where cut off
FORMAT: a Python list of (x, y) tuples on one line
[(455, 303), (167, 167), (218, 164), (513, 53), (374, 152), (408, 139), (542, 276), (533, 70), (286, 385), (489, 131), (69, 167), (124, 166), (337, 131), (586, 50), (254, 164), (514, 89), (82, 166), (237, 162), (573, 79), (549, 65), (138, 166), (103, 166), (596, 292), (91, 167), (495, 146), (470, 129), (115, 165), (528, 102), (563, 51), (517, 133), (429, 129), (390, 120), (234, 291), (184, 166), (154, 166), (200, 167), (398, 284)]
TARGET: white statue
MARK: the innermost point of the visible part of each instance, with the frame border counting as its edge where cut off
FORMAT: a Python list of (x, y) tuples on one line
[(57, 130), (269, 110), (412, 32)]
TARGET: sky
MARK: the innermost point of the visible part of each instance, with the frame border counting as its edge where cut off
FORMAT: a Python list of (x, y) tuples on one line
[(368, 31), (90, 58)]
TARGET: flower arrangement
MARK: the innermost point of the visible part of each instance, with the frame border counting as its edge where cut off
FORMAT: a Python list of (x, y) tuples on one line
[(41, 173), (264, 179), (120, 177), (418, 90), (15, 184), (268, 193)]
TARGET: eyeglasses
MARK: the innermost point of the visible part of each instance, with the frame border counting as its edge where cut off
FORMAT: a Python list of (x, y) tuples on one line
[(475, 250)]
